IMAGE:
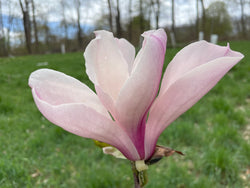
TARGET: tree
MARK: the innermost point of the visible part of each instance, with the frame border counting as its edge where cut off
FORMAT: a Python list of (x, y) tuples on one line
[(243, 25), (110, 16), (197, 18), (64, 23), (141, 16), (130, 20), (155, 5), (157, 13), (218, 19), (173, 18), (2, 34), (79, 29), (1, 20), (45, 28), (117, 15), (26, 23), (203, 22), (118, 20), (7, 26), (35, 26), (136, 28)]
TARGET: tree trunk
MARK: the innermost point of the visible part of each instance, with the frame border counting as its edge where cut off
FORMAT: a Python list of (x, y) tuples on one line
[(157, 15), (203, 19), (118, 20), (243, 25), (110, 16), (173, 18), (9, 26), (79, 29), (149, 13), (35, 26), (3, 50), (141, 18), (130, 20), (197, 18), (47, 35), (26, 24), (1, 20), (64, 23)]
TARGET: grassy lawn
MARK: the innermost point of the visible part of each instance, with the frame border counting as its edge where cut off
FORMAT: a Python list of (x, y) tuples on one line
[(213, 134)]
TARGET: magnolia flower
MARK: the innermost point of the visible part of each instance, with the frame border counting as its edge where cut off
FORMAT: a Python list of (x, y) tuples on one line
[(125, 111)]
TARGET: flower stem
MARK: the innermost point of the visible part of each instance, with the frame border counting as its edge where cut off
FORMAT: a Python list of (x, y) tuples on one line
[(135, 174)]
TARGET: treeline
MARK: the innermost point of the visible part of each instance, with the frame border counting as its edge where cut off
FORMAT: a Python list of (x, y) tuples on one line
[(31, 31)]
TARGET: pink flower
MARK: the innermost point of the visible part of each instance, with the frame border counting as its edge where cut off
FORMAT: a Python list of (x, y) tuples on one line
[(125, 112)]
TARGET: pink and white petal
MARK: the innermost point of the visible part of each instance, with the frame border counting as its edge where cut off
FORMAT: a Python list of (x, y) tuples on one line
[(128, 51), (183, 94), (191, 57), (84, 121), (159, 35), (141, 88), (58, 88), (106, 100), (105, 64)]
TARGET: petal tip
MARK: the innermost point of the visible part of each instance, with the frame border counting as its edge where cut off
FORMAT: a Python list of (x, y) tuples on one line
[(231, 53), (102, 33), (160, 35)]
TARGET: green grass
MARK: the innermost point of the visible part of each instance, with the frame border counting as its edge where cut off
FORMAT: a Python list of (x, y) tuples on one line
[(35, 153)]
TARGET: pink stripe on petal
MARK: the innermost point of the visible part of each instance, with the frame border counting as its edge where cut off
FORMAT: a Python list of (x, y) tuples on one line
[(182, 94), (141, 88), (84, 121)]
